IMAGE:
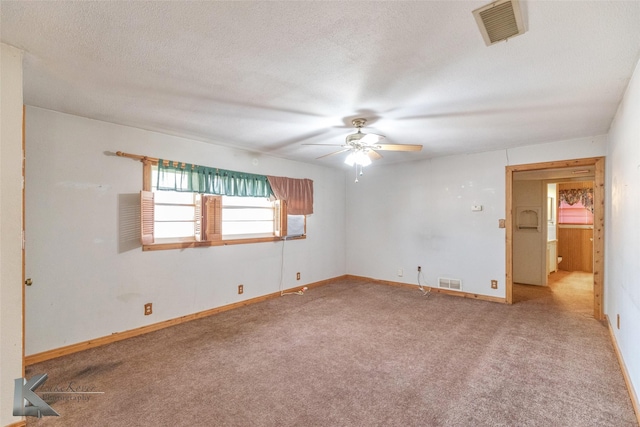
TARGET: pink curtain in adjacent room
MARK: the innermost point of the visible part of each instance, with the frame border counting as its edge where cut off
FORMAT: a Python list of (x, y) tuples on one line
[(297, 192)]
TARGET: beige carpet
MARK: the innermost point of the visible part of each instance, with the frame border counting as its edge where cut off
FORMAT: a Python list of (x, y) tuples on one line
[(570, 291), (356, 354)]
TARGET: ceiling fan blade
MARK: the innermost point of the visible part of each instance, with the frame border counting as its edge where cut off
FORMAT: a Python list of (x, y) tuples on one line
[(371, 138), (335, 152), (399, 147), (373, 155)]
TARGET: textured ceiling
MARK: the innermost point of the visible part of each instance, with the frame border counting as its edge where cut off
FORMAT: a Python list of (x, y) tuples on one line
[(270, 76)]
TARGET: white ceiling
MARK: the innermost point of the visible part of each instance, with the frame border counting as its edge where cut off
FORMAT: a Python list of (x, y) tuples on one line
[(270, 76)]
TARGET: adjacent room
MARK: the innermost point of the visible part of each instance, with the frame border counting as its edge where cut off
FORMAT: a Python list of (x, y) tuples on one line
[(320, 213)]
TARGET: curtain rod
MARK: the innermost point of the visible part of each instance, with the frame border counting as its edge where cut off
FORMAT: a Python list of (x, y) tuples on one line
[(154, 161), (143, 159), (150, 160)]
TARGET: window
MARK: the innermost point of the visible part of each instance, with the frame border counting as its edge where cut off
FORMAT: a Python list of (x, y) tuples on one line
[(180, 215), (174, 214), (247, 216), (576, 214), (575, 205), (178, 219)]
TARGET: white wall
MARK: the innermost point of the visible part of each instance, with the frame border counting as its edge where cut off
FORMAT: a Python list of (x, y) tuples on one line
[(419, 213), (87, 286), (10, 227), (622, 252)]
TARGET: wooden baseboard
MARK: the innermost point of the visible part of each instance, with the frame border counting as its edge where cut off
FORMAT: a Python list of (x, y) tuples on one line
[(625, 374), (17, 424), (119, 336), (434, 290)]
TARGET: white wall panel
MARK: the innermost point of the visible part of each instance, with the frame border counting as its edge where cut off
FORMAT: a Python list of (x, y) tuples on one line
[(622, 221), (595, 146), (88, 285), (419, 213)]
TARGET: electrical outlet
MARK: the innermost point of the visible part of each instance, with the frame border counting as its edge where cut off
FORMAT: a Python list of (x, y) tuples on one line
[(400, 272), (494, 284), (148, 309), (240, 289), (298, 275), (419, 269), (501, 223)]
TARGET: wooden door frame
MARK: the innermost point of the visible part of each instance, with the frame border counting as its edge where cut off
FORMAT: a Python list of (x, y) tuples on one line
[(598, 224)]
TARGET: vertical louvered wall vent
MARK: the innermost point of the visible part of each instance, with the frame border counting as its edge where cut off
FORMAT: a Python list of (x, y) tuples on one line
[(500, 20), (454, 284)]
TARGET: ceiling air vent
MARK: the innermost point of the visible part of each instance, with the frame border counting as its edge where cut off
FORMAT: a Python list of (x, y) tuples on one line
[(500, 20)]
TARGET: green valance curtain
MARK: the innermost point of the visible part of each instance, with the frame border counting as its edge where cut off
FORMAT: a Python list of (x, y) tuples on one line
[(175, 176)]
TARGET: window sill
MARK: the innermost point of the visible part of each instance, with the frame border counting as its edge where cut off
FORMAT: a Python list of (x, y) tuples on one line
[(224, 242)]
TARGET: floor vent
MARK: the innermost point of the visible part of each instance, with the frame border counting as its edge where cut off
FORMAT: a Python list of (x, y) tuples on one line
[(500, 20), (454, 284)]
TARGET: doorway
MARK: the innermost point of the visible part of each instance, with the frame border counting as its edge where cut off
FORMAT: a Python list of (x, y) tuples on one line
[(550, 171)]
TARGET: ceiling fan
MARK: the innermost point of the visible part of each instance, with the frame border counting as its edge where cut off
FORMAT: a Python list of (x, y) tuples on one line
[(363, 147)]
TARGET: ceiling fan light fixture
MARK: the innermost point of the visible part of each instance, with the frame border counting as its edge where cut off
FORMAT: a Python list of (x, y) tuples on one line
[(349, 160), (362, 138), (358, 136), (371, 138), (359, 158), (361, 147)]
